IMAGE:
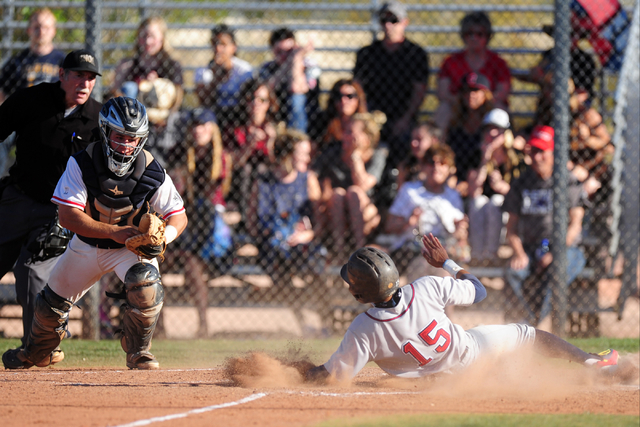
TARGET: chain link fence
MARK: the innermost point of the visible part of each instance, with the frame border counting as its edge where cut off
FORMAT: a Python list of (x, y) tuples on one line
[(295, 136)]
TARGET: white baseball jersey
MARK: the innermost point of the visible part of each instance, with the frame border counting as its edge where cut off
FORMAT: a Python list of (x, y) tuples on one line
[(413, 339), (72, 191)]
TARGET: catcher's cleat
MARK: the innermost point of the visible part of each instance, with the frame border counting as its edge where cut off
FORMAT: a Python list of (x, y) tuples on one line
[(56, 356), (15, 359), (609, 359), (144, 360)]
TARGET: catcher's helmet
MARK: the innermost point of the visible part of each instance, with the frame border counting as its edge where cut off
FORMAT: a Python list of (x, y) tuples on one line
[(371, 274), (126, 116)]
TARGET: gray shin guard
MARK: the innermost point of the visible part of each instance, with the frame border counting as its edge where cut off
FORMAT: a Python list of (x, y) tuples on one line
[(144, 301), (49, 327)]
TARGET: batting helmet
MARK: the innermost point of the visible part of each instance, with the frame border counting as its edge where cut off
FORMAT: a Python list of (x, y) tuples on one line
[(126, 116), (371, 274)]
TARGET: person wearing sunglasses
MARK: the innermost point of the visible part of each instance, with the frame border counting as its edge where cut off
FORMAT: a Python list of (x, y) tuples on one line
[(394, 73), (476, 32), (345, 99)]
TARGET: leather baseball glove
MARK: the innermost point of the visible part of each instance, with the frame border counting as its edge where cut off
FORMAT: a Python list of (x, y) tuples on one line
[(150, 243)]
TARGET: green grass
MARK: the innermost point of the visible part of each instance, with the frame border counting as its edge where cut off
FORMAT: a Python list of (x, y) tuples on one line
[(486, 420), (188, 353), (212, 353)]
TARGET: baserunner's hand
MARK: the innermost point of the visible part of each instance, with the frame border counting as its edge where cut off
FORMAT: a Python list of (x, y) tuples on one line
[(433, 251)]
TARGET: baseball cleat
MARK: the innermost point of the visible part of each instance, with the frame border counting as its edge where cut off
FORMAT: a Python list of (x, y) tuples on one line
[(609, 359), (14, 359), (145, 360), (56, 356)]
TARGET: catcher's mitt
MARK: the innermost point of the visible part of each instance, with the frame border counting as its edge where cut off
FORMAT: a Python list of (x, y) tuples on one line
[(150, 243)]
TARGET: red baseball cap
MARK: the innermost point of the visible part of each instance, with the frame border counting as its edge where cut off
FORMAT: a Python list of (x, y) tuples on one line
[(542, 138)]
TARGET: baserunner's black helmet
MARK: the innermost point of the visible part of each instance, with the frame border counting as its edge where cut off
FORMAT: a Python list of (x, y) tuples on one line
[(371, 274)]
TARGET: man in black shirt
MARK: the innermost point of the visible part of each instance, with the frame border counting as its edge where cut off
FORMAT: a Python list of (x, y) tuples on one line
[(393, 73), (52, 121)]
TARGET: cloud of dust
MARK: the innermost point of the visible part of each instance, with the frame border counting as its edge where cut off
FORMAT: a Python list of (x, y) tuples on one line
[(258, 369), (517, 375)]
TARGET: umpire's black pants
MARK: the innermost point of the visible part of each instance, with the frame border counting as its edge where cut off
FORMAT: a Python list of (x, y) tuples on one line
[(23, 220)]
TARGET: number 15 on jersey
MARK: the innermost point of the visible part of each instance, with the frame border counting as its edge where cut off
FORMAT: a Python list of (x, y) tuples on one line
[(429, 340)]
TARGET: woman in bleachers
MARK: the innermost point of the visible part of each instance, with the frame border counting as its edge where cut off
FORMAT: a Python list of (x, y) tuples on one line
[(348, 174), (202, 177), (251, 145), (286, 196), (152, 76), (476, 32), (489, 183), (473, 102), (218, 85), (345, 99), (423, 137)]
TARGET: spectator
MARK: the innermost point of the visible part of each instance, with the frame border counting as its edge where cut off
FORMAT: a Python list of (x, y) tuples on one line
[(476, 32), (348, 174), (488, 184), (394, 73), (155, 78), (474, 101), (427, 206), (583, 74), (203, 181), (590, 141), (529, 232), (345, 99), (251, 144), (286, 197), (423, 137), (294, 78), (38, 63), (52, 121), (218, 85)]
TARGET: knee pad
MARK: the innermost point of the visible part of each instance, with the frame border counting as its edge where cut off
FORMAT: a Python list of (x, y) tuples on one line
[(143, 286)]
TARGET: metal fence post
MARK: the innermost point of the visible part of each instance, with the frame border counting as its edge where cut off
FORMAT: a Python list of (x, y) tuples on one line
[(93, 41), (8, 16), (558, 269)]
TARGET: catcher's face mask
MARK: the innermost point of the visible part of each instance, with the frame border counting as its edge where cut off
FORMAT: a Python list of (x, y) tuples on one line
[(125, 128)]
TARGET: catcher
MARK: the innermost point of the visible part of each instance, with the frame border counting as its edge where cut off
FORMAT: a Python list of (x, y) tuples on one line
[(104, 197), (407, 333)]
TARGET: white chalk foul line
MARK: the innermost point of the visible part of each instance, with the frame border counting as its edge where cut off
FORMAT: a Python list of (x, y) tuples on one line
[(193, 411), (357, 393)]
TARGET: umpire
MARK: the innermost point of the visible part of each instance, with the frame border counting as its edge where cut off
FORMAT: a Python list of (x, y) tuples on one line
[(52, 121)]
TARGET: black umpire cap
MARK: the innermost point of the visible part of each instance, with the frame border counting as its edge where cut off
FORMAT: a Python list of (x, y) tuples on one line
[(81, 60)]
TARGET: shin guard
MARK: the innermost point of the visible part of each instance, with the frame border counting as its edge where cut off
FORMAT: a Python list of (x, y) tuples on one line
[(144, 296), (49, 328)]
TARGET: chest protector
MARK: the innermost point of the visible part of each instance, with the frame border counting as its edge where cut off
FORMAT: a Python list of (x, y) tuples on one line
[(117, 200)]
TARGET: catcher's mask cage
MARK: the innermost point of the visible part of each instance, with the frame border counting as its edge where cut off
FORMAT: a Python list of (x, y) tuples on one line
[(371, 274), (128, 117)]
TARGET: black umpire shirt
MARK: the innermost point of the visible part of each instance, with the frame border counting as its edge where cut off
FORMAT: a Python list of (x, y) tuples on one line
[(45, 138)]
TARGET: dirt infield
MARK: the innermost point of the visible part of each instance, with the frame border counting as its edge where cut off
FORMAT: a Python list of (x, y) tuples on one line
[(271, 395)]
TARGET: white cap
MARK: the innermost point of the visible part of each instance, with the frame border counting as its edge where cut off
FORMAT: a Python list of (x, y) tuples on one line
[(497, 117)]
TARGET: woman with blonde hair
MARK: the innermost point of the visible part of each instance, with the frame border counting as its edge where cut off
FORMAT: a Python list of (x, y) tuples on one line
[(464, 136), (203, 180), (153, 77), (348, 174)]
